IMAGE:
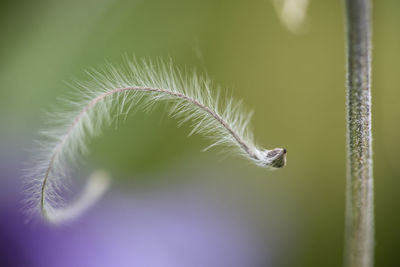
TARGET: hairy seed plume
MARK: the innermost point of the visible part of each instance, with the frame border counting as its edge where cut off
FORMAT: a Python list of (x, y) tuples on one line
[(114, 92)]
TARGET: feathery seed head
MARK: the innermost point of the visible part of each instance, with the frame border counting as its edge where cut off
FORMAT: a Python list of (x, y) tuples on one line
[(114, 92)]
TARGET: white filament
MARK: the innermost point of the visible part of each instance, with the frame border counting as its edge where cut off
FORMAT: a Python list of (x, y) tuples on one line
[(114, 92)]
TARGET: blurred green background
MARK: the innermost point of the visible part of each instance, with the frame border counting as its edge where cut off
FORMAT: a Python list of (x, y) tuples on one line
[(295, 83)]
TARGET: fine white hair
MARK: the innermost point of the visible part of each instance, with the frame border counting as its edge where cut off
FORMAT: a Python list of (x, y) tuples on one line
[(113, 92)]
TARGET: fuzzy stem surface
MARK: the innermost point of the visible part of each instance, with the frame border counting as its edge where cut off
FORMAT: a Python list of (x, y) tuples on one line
[(359, 236)]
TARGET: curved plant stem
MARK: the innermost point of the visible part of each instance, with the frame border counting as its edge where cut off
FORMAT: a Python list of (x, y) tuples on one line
[(359, 237), (274, 158)]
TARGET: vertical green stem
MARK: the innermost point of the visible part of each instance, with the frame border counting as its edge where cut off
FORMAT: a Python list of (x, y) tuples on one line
[(359, 238)]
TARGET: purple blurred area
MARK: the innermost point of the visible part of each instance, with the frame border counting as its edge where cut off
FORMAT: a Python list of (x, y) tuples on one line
[(162, 228)]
